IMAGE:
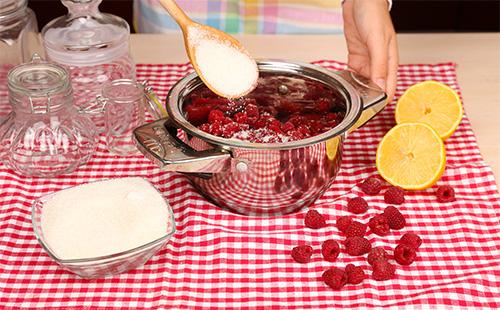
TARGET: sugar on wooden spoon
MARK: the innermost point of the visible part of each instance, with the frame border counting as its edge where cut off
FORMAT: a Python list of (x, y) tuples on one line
[(221, 62)]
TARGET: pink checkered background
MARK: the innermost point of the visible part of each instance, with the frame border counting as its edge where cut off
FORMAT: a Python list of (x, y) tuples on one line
[(220, 260)]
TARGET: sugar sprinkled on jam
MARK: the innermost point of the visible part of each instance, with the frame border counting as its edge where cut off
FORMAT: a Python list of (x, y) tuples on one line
[(280, 109)]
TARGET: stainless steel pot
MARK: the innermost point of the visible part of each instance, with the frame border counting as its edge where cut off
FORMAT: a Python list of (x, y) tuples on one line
[(257, 178)]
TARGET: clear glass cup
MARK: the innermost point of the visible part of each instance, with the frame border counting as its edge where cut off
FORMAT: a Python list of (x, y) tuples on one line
[(44, 135), (18, 41), (124, 110), (94, 46)]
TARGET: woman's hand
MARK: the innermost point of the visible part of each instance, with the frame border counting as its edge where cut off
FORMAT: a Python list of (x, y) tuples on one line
[(371, 42)]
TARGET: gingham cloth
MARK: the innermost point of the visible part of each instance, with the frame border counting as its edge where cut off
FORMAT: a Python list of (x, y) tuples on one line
[(220, 260)]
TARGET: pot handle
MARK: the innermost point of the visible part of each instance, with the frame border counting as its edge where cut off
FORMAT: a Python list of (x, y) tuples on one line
[(158, 141), (372, 97)]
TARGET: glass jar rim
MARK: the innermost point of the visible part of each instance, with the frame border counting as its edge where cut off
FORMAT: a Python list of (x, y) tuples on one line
[(11, 7), (38, 79), (108, 95)]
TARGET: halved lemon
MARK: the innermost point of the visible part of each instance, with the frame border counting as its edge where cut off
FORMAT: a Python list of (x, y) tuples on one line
[(432, 103), (411, 156)]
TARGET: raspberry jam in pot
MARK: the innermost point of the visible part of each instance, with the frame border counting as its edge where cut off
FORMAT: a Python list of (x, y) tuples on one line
[(280, 109)]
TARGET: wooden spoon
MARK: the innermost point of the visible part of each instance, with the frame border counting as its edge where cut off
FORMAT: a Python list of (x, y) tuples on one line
[(221, 62)]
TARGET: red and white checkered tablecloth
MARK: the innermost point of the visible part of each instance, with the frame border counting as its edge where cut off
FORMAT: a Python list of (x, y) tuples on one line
[(220, 260)]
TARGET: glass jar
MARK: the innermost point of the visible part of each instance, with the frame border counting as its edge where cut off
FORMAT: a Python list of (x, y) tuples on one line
[(44, 135), (18, 41), (93, 45)]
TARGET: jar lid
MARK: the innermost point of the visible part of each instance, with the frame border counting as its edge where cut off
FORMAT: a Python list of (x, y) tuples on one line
[(86, 40), (38, 78)]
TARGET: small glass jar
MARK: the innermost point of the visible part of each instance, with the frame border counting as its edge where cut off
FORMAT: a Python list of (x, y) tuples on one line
[(18, 41), (94, 46), (44, 135)]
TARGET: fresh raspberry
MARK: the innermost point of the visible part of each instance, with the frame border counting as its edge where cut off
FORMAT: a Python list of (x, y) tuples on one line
[(383, 270), (330, 250), (335, 278), (379, 225), (445, 193), (357, 205), (395, 219), (343, 222), (215, 115), (404, 254), (355, 274), (302, 253), (412, 240), (314, 219), (356, 229), (371, 186), (356, 246), (376, 254), (394, 195)]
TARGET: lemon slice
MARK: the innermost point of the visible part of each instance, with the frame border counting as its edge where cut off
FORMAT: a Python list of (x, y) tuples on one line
[(411, 156), (432, 103), (332, 147)]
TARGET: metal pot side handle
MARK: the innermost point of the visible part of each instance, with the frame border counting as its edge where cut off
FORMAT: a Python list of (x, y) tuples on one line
[(372, 97), (158, 141)]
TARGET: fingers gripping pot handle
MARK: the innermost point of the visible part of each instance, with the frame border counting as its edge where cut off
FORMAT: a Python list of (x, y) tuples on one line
[(372, 97), (158, 141)]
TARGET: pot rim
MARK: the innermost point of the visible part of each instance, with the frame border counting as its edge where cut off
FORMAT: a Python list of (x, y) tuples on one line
[(192, 81)]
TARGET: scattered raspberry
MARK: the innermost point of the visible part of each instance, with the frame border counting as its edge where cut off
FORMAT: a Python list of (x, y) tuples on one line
[(330, 250), (314, 220), (357, 205), (356, 246), (445, 193), (302, 253), (215, 116), (395, 219), (394, 195), (356, 229), (355, 274), (404, 254), (376, 254), (343, 222), (411, 239), (371, 186), (335, 278), (383, 270), (379, 225)]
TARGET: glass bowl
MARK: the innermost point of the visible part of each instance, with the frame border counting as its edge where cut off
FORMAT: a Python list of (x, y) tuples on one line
[(97, 267)]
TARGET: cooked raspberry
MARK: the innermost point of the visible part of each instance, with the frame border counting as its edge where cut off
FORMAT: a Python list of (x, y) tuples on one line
[(302, 253), (376, 254), (395, 219), (383, 270), (411, 239), (357, 205), (356, 246), (356, 229), (445, 193), (343, 222), (335, 278), (379, 225), (371, 186), (355, 274), (404, 254), (215, 115), (314, 220), (394, 195), (330, 250)]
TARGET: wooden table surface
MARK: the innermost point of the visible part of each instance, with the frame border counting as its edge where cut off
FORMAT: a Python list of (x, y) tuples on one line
[(476, 54)]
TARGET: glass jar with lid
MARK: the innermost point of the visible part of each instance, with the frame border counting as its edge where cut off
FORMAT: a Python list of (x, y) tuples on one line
[(18, 41), (44, 135), (93, 45)]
